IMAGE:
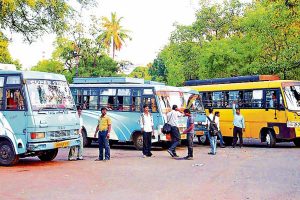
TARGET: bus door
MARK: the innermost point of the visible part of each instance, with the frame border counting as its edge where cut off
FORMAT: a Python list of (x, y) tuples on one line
[(151, 102), (275, 109), (14, 110)]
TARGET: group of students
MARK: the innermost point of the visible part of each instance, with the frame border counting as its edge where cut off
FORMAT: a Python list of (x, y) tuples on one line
[(212, 123)]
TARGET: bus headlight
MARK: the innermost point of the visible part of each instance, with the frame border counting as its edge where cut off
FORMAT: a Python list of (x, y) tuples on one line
[(37, 135), (290, 124), (76, 132)]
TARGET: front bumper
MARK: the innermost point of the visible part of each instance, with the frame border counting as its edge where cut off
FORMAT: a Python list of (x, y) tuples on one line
[(41, 146)]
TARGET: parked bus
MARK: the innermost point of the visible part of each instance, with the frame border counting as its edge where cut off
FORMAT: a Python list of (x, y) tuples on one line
[(124, 98), (37, 115), (271, 107)]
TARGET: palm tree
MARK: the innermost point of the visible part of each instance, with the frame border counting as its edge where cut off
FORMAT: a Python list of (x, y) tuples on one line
[(113, 33)]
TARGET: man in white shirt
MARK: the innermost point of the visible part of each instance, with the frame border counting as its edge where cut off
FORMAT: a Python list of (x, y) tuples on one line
[(172, 119), (80, 147), (146, 122)]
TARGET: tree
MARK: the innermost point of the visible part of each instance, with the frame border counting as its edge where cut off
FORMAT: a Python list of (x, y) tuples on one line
[(140, 72), (49, 66), (5, 56), (35, 17), (158, 70), (113, 33)]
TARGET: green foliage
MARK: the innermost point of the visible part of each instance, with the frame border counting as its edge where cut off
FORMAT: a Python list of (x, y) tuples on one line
[(33, 18), (49, 66), (234, 39), (158, 70), (140, 72), (5, 56)]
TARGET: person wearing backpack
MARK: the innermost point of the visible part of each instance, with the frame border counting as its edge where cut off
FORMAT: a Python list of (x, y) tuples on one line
[(146, 122), (211, 115), (213, 129)]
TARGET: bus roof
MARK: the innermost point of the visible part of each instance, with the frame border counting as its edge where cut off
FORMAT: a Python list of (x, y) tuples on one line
[(157, 87), (238, 79), (35, 75), (114, 80), (241, 86)]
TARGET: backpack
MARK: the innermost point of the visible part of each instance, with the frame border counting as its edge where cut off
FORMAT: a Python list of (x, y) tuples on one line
[(213, 128)]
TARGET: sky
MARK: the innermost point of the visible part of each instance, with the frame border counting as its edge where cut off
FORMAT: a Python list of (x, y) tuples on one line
[(150, 23)]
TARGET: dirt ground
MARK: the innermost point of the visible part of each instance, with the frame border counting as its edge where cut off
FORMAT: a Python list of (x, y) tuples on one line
[(252, 172)]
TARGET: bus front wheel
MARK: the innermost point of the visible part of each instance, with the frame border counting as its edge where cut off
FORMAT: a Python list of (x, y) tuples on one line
[(138, 141), (48, 155), (270, 139), (8, 156)]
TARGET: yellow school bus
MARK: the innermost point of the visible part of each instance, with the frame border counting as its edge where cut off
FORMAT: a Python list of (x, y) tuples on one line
[(271, 107)]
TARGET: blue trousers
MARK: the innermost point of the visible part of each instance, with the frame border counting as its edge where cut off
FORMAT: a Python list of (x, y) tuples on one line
[(103, 143), (175, 137)]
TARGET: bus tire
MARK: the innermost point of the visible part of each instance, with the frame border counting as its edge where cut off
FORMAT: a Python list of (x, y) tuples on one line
[(297, 142), (138, 140), (270, 138), (8, 156), (48, 155), (203, 139), (86, 141)]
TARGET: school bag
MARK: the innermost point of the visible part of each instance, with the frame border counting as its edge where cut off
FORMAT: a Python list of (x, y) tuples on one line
[(213, 128)]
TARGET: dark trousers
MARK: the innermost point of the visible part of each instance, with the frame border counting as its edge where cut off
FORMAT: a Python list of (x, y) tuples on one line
[(237, 131), (103, 143), (147, 143), (190, 142), (175, 137)]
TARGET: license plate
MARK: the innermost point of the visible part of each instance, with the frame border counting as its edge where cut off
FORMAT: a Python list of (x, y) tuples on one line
[(199, 132), (183, 136), (61, 144)]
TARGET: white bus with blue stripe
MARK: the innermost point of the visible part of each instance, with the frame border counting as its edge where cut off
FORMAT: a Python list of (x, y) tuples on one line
[(124, 99), (37, 116)]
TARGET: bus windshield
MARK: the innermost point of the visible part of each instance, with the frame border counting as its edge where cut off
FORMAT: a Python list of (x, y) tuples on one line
[(49, 94), (169, 98), (292, 96), (194, 103)]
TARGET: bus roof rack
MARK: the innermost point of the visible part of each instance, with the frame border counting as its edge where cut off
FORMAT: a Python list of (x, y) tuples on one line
[(238, 79), (114, 80)]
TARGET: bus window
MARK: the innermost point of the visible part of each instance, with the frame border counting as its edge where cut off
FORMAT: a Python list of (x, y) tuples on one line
[(257, 98), (123, 99), (247, 102), (108, 98), (150, 101), (218, 99), (236, 96), (136, 104), (271, 98), (90, 99), (14, 99), (136, 100), (209, 99)]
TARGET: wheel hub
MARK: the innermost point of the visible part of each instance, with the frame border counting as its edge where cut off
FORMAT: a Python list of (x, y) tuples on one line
[(3, 153)]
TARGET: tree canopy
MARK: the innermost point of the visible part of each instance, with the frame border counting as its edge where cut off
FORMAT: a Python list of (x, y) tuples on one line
[(232, 39)]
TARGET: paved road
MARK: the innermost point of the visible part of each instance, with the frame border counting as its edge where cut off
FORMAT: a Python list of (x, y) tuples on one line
[(253, 172)]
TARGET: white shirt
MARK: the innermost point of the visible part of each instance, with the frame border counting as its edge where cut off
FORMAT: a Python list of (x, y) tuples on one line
[(80, 123), (146, 122), (172, 117), (211, 117)]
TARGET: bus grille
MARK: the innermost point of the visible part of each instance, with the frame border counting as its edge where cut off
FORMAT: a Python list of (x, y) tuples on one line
[(58, 134)]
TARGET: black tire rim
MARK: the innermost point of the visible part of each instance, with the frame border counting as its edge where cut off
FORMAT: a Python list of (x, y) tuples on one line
[(5, 152)]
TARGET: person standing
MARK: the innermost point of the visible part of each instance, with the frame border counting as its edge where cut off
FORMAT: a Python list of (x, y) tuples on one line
[(219, 134), (146, 122), (80, 147), (172, 118), (189, 131), (103, 129), (213, 125), (239, 126)]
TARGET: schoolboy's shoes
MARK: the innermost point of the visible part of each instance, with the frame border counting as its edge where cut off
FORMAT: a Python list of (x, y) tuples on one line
[(71, 159), (211, 153), (175, 155), (80, 158), (171, 153), (188, 158)]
